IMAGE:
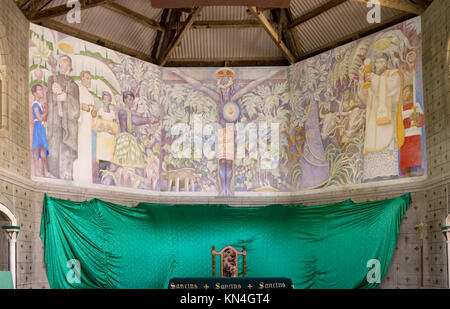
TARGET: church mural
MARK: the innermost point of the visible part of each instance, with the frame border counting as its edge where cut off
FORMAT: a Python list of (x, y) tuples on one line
[(237, 107), (350, 115), (95, 113), (358, 111)]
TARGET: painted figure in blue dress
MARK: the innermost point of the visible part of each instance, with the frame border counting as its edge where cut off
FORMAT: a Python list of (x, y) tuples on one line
[(40, 145)]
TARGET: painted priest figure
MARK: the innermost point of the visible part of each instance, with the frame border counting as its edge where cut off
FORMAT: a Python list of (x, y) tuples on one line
[(381, 92), (63, 99)]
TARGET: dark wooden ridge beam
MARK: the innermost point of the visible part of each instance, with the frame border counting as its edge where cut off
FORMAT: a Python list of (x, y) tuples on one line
[(199, 3), (230, 62), (272, 33), (133, 15), (317, 11), (174, 43), (205, 24), (359, 34), (93, 39), (63, 9), (401, 5)]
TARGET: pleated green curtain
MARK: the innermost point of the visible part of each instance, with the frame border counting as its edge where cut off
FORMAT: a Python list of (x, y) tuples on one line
[(113, 246)]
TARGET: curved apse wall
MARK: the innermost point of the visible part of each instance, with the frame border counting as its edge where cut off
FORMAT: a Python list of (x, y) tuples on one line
[(348, 116)]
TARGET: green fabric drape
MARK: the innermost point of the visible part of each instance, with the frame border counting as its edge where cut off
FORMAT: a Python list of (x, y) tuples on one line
[(326, 246)]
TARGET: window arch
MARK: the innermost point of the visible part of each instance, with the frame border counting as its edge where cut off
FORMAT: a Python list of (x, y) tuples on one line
[(11, 232)]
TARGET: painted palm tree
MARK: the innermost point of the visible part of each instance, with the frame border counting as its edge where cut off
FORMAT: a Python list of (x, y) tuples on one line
[(226, 97), (269, 105)]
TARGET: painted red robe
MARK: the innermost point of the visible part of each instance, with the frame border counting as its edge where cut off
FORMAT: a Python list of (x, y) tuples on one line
[(411, 151)]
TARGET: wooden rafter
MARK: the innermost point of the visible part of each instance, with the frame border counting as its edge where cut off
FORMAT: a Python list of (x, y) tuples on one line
[(317, 11), (21, 3), (33, 6), (159, 35), (206, 24), (133, 15), (272, 33), (172, 27), (63, 9), (83, 35), (294, 33), (358, 34), (177, 39), (284, 35), (401, 5)]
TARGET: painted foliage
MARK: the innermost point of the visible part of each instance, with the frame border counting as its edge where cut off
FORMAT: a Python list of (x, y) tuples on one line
[(367, 103), (351, 115), (95, 113), (234, 110)]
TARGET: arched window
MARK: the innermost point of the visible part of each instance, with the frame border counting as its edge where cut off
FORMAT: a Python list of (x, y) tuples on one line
[(11, 229)]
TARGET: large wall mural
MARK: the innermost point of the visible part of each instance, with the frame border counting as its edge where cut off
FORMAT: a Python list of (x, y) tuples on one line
[(348, 116)]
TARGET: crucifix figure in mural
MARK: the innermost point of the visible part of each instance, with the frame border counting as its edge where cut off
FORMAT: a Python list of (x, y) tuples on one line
[(226, 98)]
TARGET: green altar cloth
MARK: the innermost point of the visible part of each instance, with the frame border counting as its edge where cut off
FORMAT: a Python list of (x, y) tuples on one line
[(326, 246)]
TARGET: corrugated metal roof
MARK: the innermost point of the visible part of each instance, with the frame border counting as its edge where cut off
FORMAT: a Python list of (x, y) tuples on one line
[(115, 27), (338, 22), (223, 43), (224, 13), (301, 7), (142, 7)]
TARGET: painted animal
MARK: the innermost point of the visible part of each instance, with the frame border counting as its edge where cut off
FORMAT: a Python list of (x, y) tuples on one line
[(126, 175), (187, 174), (329, 123)]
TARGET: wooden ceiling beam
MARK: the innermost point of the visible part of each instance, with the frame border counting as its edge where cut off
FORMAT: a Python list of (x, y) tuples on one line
[(87, 36), (206, 24), (272, 33), (279, 17), (133, 15), (33, 6), (359, 34), (317, 11), (200, 3), (230, 62), (401, 5), (63, 9), (21, 3), (177, 39), (159, 35), (172, 26), (294, 33)]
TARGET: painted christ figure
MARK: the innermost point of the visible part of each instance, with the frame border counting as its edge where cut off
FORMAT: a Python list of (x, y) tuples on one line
[(63, 98), (228, 111)]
